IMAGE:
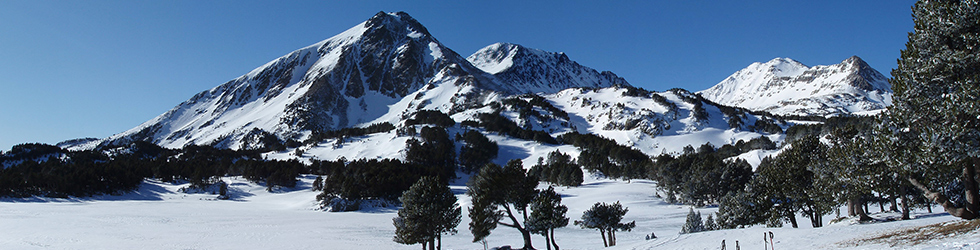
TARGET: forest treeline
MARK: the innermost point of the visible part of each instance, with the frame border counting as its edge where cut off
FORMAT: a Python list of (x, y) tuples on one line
[(46, 170)]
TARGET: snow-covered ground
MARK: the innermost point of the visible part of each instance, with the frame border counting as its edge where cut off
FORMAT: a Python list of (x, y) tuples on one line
[(159, 217)]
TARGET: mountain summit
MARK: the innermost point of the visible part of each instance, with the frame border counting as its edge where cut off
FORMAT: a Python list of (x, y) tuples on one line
[(787, 87), (538, 70), (377, 71)]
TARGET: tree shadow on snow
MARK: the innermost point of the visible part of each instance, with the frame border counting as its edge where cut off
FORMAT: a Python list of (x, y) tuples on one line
[(507, 152)]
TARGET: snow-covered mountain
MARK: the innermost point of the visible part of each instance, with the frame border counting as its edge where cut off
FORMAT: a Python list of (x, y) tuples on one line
[(381, 70), (786, 87), (651, 122), (537, 70)]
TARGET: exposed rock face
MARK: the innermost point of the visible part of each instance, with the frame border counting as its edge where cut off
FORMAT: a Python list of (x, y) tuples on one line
[(787, 87)]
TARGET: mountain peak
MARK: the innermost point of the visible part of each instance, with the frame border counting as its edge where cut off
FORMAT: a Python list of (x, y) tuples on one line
[(787, 87), (779, 67), (781, 60), (397, 22), (498, 57), (855, 59), (856, 62), (539, 70)]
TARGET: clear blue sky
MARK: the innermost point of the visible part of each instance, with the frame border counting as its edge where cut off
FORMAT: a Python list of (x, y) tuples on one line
[(71, 69)]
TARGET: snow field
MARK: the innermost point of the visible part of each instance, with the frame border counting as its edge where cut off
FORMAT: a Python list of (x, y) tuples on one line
[(158, 217)]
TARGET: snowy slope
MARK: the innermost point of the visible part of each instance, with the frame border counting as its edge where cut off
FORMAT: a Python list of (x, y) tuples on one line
[(539, 71), (787, 87), (654, 123), (157, 216)]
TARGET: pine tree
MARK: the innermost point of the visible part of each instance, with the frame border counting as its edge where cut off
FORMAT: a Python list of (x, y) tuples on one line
[(856, 171), (742, 209), (795, 181), (429, 210), (693, 223), (934, 122), (709, 224), (501, 192), (607, 219), (223, 190), (317, 183), (547, 214)]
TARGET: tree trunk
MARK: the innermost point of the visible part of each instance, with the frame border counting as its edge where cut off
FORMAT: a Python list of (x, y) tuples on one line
[(855, 208), (971, 187), (602, 232), (439, 238), (527, 239), (792, 220), (905, 202), (881, 205), (612, 238), (524, 232), (547, 240), (894, 204), (972, 208), (815, 219), (432, 244), (553, 243)]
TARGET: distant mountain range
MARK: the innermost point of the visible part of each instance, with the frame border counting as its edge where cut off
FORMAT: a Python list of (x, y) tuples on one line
[(388, 68), (787, 87)]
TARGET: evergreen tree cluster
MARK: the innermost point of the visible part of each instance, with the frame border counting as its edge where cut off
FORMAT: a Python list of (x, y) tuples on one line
[(272, 173), (702, 176), (502, 196), (431, 117), (694, 224), (795, 181), (932, 132), (433, 149), (477, 151), (497, 123), (605, 156), (93, 172), (812, 178), (30, 152), (558, 169), (766, 126), (829, 125), (368, 179), (62, 178), (319, 136), (635, 91), (526, 108)]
